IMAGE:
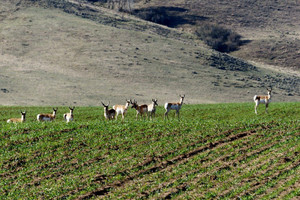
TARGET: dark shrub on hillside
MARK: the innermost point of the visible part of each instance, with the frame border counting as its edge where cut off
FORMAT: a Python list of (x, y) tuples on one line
[(102, 1), (156, 15), (220, 39)]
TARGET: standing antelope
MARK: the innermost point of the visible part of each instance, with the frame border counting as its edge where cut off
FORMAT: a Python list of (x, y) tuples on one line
[(152, 108), (121, 109), (140, 110), (258, 99), (174, 106), (108, 113), (47, 117), (69, 116), (17, 120)]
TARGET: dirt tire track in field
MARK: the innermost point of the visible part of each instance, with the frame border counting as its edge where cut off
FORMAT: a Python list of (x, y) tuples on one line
[(220, 159), (9, 175), (224, 166), (158, 158), (7, 135), (254, 186), (75, 166), (277, 185), (105, 189), (35, 139), (261, 172), (223, 158), (228, 190), (5, 163), (257, 163), (37, 180), (101, 177), (288, 190), (227, 133)]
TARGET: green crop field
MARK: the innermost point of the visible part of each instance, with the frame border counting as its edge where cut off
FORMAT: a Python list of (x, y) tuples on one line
[(220, 151)]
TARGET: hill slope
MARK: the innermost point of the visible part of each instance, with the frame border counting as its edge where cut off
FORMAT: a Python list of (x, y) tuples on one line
[(270, 27), (63, 53)]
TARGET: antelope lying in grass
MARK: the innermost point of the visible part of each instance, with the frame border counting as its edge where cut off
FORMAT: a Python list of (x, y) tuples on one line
[(174, 106), (121, 109), (259, 99), (152, 108), (108, 113), (69, 116), (18, 120), (47, 117), (140, 110)]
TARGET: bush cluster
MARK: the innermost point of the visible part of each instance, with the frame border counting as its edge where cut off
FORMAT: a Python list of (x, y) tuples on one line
[(156, 15), (102, 1), (219, 38)]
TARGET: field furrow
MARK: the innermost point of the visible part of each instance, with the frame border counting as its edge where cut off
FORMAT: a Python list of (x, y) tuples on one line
[(224, 167), (278, 187), (219, 155), (165, 164), (141, 168), (219, 143), (214, 158)]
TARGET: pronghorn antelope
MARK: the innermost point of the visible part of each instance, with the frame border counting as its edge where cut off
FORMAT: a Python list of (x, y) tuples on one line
[(47, 117), (140, 110), (108, 113), (174, 106), (258, 99), (17, 120), (152, 108), (121, 109), (69, 116)]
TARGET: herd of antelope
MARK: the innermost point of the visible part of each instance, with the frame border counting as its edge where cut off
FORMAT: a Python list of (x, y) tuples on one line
[(141, 110), (110, 114)]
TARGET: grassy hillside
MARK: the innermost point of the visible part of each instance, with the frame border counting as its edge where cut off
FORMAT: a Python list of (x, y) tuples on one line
[(270, 27), (221, 150), (66, 53)]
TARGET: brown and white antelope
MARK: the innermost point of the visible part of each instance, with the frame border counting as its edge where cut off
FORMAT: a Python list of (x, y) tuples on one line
[(69, 116), (47, 117), (152, 108), (140, 110), (18, 120), (174, 106), (260, 99), (108, 113), (121, 109)]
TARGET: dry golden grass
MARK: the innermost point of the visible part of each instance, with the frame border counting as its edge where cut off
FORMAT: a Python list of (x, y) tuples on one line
[(51, 57), (271, 27)]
